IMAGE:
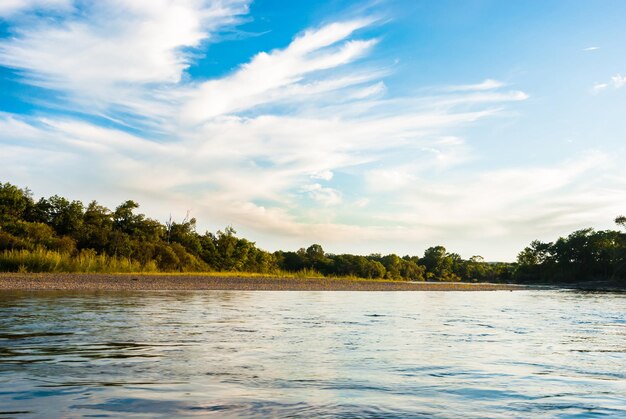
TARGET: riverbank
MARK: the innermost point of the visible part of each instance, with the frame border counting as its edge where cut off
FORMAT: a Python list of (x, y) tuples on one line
[(122, 282)]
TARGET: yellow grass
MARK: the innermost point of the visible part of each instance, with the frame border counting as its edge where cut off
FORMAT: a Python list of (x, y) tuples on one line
[(41, 260)]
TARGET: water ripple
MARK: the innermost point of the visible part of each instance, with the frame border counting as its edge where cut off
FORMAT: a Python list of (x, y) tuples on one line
[(303, 354)]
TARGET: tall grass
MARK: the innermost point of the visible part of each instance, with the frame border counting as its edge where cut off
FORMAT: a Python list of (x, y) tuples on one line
[(87, 261), (41, 260)]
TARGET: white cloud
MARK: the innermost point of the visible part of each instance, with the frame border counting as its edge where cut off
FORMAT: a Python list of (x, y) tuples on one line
[(507, 202), (591, 49), (116, 52), (261, 80), (323, 195), (323, 175), (616, 82), (389, 180), (376, 89), (488, 84), (598, 87), (9, 8)]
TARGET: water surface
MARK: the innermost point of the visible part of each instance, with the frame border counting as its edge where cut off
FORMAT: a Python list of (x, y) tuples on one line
[(285, 354)]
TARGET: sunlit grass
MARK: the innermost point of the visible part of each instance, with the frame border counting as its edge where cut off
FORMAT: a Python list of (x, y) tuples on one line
[(41, 260)]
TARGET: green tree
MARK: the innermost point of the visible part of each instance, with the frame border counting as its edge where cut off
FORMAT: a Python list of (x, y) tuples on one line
[(316, 259), (185, 234), (440, 264), (97, 227), (65, 217), (14, 202)]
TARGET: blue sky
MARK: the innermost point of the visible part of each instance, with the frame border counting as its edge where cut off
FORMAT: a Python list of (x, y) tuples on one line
[(382, 126)]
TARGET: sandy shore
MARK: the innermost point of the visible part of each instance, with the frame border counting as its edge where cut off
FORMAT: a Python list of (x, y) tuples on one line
[(121, 282)]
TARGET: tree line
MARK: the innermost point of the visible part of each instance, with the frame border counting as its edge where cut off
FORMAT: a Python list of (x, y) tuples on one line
[(58, 226), (584, 255)]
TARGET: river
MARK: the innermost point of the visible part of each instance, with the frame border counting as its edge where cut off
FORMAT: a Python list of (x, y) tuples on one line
[(334, 354)]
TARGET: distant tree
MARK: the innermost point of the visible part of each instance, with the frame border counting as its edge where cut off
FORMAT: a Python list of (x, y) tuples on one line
[(316, 259), (440, 264), (65, 217), (124, 218), (292, 261), (475, 269), (185, 234), (14, 202), (393, 266), (375, 269), (535, 254), (97, 227), (231, 252), (412, 271)]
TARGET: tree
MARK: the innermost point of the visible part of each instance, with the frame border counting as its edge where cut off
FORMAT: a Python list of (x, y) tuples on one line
[(185, 234), (411, 270), (476, 269), (375, 269), (315, 252), (393, 265), (96, 228), (14, 202), (231, 253), (65, 217), (439, 264), (316, 259), (292, 261), (124, 218), (535, 254)]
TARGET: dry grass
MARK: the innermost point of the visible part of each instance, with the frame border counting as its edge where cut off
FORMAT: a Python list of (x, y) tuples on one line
[(41, 260)]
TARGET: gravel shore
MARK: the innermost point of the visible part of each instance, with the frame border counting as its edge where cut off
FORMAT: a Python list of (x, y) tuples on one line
[(121, 282)]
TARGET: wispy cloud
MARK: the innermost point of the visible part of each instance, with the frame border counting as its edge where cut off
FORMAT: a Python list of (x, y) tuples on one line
[(616, 82), (280, 74), (10, 8), (323, 195), (503, 202), (488, 84), (115, 53)]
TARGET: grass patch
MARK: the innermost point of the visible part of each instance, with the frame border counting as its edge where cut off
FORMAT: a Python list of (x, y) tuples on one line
[(41, 260)]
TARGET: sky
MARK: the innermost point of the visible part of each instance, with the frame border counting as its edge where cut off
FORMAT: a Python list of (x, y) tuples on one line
[(383, 126)]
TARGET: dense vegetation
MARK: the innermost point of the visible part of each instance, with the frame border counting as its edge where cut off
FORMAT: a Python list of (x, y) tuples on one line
[(584, 255), (58, 235)]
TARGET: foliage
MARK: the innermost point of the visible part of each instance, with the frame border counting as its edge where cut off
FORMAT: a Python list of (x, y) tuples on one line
[(584, 255)]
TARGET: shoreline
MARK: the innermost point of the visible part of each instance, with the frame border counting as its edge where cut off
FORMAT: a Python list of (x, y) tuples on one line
[(192, 282)]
